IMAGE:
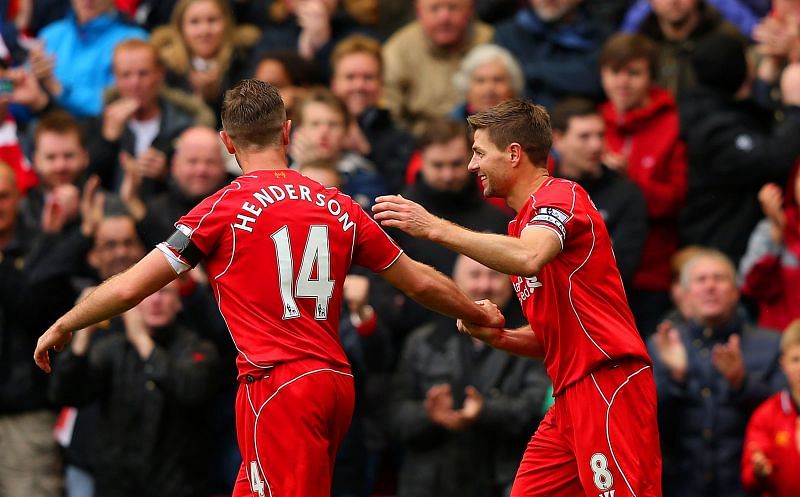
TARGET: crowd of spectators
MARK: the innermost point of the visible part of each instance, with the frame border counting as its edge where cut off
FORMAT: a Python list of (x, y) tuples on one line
[(680, 118)]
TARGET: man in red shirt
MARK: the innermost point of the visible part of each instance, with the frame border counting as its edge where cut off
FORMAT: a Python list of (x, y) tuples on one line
[(564, 272), (277, 247)]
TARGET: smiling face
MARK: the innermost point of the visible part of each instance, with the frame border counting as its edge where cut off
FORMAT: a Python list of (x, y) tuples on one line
[(357, 81), (59, 158), (491, 164), (203, 28)]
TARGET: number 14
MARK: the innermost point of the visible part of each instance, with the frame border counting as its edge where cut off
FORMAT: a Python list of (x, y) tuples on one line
[(316, 252)]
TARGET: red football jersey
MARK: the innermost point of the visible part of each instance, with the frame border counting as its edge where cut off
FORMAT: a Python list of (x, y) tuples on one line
[(576, 305), (277, 247)]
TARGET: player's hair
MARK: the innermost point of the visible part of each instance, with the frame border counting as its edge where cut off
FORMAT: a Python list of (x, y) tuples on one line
[(624, 48), (61, 123), (357, 44), (321, 95), (704, 254), (138, 44), (517, 121), (791, 336), (253, 114), (570, 107), (440, 131)]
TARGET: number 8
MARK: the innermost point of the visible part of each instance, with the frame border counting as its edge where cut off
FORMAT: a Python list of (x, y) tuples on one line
[(602, 476)]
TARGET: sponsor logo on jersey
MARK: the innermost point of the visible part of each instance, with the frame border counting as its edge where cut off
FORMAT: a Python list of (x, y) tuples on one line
[(525, 287)]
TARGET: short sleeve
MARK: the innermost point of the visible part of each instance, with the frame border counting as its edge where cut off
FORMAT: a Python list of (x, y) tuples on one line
[(553, 208), (208, 220), (373, 248)]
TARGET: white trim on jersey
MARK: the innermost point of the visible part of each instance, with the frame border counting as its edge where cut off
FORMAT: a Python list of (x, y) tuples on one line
[(258, 413), (569, 291), (549, 228), (219, 302), (608, 415), (214, 206)]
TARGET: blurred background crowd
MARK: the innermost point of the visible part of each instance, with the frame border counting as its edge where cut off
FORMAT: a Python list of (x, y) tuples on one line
[(681, 118)]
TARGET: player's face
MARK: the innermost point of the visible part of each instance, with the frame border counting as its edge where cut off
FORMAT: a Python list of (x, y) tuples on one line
[(580, 146), (9, 200), (490, 164), (480, 282), (59, 158), (203, 28), (357, 81), (159, 309), (675, 12), (116, 246), (138, 75), (489, 85), (553, 10), (444, 166), (197, 165), (627, 87), (711, 295), (444, 21), (326, 129)]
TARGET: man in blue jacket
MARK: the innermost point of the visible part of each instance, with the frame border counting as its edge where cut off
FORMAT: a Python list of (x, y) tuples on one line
[(74, 65)]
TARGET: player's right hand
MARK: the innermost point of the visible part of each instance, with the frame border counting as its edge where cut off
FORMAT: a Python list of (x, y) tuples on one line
[(54, 338), (494, 317)]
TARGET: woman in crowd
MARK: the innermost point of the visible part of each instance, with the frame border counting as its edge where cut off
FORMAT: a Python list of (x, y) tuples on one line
[(203, 50)]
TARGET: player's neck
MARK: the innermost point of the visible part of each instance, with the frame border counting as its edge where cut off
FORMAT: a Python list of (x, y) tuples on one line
[(526, 186), (264, 159)]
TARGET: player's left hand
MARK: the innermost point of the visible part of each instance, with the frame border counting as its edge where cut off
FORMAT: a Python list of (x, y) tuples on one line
[(394, 211), (54, 338), (483, 333)]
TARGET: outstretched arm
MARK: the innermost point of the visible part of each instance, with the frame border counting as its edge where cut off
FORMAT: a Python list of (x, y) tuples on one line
[(113, 297), (435, 291), (524, 256), (519, 341)]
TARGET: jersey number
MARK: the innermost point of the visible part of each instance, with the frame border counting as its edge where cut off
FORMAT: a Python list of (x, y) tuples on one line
[(603, 479), (256, 483), (316, 254)]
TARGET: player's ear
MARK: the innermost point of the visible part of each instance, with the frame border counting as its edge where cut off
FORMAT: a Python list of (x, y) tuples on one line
[(228, 141), (514, 151), (287, 131)]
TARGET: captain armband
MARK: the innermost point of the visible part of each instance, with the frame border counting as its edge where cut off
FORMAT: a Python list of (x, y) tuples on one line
[(182, 254)]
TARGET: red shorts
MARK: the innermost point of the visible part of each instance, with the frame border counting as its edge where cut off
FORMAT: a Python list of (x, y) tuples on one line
[(289, 425), (599, 439)]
